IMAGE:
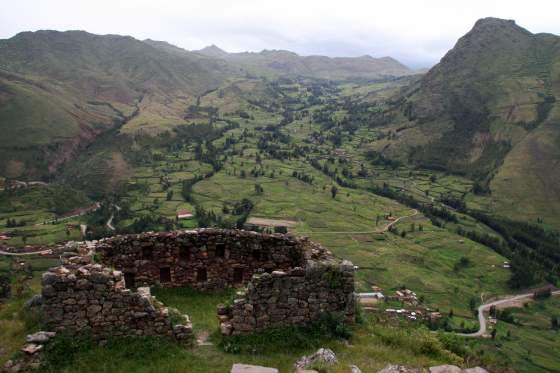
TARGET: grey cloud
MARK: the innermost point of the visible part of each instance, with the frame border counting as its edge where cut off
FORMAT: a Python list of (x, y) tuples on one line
[(418, 33)]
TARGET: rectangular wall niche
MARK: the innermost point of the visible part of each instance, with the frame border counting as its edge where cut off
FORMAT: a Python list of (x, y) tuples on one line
[(220, 250), (184, 254), (147, 253), (165, 274), (201, 275), (237, 275), (129, 280)]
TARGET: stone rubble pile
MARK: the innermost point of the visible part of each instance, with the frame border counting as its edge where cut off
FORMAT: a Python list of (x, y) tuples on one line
[(323, 356), (31, 359), (391, 368), (455, 369), (245, 368)]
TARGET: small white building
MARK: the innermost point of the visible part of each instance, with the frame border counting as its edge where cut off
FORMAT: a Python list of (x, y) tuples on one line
[(374, 295), (184, 214)]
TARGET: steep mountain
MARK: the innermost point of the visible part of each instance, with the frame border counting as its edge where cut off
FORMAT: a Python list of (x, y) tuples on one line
[(489, 109), (59, 90), (280, 62)]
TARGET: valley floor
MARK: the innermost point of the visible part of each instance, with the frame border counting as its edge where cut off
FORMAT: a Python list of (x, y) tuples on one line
[(401, 227)]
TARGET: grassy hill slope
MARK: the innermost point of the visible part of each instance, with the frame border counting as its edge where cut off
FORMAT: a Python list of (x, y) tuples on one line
[(59, 90), (489, 110)]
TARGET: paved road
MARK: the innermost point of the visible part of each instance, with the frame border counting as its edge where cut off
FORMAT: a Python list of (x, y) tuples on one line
[(486, 308)]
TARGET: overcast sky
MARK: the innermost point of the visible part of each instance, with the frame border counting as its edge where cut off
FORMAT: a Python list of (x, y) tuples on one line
[(418, 33)]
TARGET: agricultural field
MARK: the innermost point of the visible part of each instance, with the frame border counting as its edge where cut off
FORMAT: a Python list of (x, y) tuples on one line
[(41, 214), (304, 152), (272, 166)]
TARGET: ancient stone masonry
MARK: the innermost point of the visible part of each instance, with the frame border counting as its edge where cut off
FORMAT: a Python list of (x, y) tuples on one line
[(202, 259), (289, 281), (92, 299), (295, 297)]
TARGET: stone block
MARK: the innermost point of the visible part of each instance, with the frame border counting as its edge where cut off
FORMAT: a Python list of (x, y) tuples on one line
[(445, 369), (244, 368)]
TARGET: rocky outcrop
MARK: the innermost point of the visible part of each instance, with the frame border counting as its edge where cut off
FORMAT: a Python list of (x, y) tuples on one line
[(244, 368), (391, 368), (455, 369), (30, 360), (323, 356)]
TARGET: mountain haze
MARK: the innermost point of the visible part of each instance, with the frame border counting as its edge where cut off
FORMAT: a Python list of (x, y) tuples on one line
[(280, 62)]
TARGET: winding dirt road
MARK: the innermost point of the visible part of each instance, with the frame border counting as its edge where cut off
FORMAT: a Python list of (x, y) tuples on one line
[(6, 253), (485, 308), (381, 230)]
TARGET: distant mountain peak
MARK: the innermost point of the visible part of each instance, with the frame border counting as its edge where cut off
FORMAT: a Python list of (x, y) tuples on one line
[(213, 51), (496, 27), (487, 37), (494, 21)]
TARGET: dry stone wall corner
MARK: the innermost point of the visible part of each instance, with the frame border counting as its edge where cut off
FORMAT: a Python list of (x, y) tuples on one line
[(295, 297), (92, 299)]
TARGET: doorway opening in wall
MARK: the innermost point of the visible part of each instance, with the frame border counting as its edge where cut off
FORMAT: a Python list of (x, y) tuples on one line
[(220, 250), (147, 253), (237, 275), (256, 255), (165, 275), (184, 254), (201, 275), (129, 280)]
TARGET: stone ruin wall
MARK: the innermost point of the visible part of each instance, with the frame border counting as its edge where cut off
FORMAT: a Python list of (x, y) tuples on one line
[(92, 299), (203, 259), (289, 281), (296, 297)]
